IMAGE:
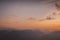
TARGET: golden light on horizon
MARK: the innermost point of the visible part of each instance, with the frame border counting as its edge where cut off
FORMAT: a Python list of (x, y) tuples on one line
[(48, 24)]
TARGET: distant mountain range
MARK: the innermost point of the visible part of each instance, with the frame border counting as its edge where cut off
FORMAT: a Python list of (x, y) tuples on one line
[(20, 34), (10, 34), (51, 36)]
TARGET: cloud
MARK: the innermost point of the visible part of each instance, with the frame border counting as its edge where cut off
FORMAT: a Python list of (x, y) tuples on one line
[(47, 18), (54, 13), (31, 18), (59, 14), (51, 17), (41, 19), (57, 6)]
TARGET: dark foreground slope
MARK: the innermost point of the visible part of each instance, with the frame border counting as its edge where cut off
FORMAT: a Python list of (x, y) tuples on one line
[(28, 35), (20, 34), (51, 36)]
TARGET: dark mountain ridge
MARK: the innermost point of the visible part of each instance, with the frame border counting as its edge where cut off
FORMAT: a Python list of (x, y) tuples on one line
[(12, 34)]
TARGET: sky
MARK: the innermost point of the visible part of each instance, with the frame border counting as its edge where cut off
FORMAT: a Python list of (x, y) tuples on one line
[(29, 15)]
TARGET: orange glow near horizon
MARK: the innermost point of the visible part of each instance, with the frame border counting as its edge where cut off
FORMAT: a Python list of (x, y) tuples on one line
[(48, 24)]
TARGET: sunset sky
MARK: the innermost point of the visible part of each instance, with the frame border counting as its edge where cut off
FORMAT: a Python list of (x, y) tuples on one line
[(29, 15)]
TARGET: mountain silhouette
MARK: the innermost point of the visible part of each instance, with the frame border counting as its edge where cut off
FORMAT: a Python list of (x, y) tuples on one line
[(51, 36), (20, 34)]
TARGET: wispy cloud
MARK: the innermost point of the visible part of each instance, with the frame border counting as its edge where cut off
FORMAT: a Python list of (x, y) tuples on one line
[(57, 6), (47, 18), (54, 13), (31, 18)]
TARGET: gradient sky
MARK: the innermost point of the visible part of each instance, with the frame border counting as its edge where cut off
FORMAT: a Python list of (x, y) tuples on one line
[(27, 15)]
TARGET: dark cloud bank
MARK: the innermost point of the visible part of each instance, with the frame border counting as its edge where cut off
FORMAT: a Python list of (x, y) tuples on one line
[(28, 35)]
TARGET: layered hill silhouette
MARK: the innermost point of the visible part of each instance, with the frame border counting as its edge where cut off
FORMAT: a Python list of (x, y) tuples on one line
[(28, 35), (51, 36), (20, 34)]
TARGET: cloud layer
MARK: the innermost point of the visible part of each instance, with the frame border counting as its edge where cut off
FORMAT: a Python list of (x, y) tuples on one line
[(31, 18)]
